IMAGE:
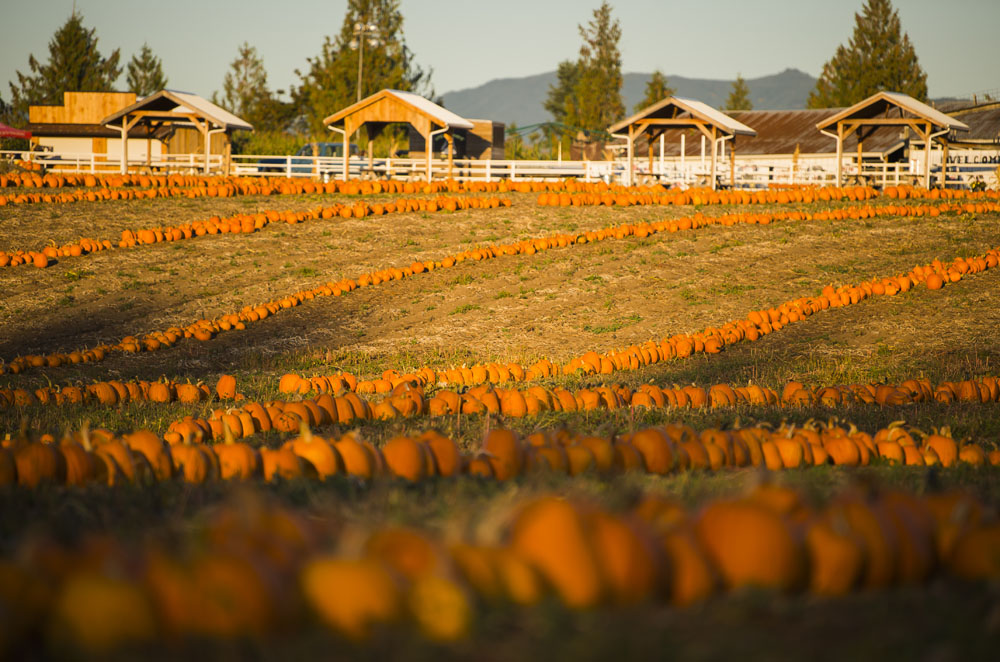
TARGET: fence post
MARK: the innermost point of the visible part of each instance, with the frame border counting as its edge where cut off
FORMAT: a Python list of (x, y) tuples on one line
[(288, 166), (513, 168)]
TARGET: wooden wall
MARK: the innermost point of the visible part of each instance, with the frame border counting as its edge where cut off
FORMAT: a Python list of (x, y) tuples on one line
[(190, 141), (81, 108), (483, 141)]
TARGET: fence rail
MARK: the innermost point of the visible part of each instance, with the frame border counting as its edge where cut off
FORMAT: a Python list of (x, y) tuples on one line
[(750, 172)]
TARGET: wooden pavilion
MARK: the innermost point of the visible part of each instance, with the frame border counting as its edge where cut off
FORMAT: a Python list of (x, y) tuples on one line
[(680, 113), (892, 109), (168, 108), (386, 107)]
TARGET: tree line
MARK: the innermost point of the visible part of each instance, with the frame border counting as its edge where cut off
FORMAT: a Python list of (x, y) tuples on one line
[(583, 102), (328, 80)]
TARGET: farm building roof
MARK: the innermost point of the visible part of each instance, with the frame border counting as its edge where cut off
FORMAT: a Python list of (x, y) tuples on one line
[(883, 103), (673, 108), (172, 101), (437, 114), (780, 131), (982, 119)]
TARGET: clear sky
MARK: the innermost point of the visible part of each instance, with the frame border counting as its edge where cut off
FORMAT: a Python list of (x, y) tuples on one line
[(468, 42)]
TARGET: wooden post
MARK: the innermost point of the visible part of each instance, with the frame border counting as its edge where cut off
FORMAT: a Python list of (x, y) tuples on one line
[(840, 152), (208, 144), (715, 149), (124, 166), (650, 153), (631, 142), (228, 157), (944, 163), (451, 151), (732, 164), (859, 156), (429, 151), (927, 156), (347, 151), (683, 153)]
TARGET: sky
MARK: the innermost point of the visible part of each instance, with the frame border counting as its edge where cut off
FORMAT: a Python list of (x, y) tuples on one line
[(469, 42)]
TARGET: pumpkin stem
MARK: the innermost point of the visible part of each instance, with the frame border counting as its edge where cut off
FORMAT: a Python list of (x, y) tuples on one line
[(227, 433), (85, 436), (304, 431)]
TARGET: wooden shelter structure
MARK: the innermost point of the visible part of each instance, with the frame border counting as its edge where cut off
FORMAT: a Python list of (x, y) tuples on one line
[(386, 107), (892, 109), (171, 108), (681, 113)]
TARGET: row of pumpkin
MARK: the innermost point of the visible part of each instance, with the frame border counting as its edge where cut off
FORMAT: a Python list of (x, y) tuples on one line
[(249, 223), (245, 224), (115, 187), (628, 197), (935, 275), (185, 453), (254, 569), (510, 402), (253, 185)]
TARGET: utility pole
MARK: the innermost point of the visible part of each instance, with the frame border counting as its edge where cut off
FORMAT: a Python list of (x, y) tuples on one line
[(363, 32)]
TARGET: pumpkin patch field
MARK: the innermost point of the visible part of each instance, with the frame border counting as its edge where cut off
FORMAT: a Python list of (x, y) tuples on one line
[(279, 420)]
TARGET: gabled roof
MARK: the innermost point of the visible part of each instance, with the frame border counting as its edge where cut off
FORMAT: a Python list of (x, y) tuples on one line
[(437, 114), (182, 102), (681, 107), (882, 102)]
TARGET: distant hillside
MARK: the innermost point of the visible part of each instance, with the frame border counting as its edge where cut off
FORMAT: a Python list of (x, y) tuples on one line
[(520, 99)]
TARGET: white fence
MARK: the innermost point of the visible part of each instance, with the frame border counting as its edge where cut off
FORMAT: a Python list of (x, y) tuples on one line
[(749, 171)]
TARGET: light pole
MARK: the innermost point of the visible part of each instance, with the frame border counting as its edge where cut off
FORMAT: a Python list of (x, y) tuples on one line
[(363, 32)]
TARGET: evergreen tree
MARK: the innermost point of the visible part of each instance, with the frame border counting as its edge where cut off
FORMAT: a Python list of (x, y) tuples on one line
[(561, 99), (587, 93), (245, 93), (878, 57), (598, 90), (656, 90), (74, 65), (145, 73), (739, 97), (331, 80)]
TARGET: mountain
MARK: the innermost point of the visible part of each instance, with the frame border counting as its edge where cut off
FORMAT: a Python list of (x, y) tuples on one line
[(520, 99)]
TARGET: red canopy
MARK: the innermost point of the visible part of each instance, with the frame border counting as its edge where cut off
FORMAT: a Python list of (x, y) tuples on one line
[(11, 132)]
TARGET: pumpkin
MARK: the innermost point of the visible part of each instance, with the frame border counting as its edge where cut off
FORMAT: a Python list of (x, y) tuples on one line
[(628, 558), (351, 595), (656, 452), (751, 545), (281, 463), (406, 458), (358, 459), (81, 465), (505, 451), (226, 387), (237, 460), (323, 456), (39, 463), (447, 456), (155, 450), (690, 576), (551, 536), (97, 614), (836, 557), (440, 607), (192, 462)]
